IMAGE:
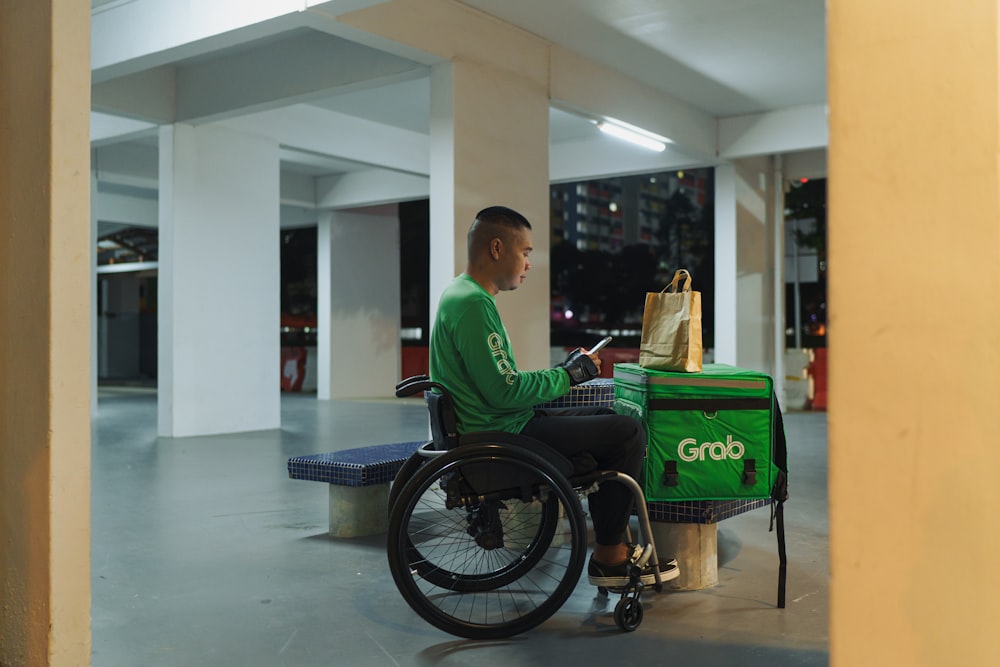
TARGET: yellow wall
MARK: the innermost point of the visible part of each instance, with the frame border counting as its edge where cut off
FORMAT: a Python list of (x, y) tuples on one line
[(44, 333), (914, 250)]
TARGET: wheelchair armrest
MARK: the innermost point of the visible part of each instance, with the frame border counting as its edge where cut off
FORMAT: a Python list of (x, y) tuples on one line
[(417, 384)]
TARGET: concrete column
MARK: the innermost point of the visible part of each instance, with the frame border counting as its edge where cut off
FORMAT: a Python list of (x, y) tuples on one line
[(725, 265), (745, 264), (219, 280), (914, 249), (696, 548), (45, 345), (755, 264), (489, 146), (358, 351)]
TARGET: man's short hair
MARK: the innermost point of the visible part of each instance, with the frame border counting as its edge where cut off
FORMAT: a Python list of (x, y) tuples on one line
[(491, 222)]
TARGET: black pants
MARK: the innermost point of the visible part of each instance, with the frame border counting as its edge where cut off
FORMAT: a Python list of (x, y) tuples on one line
[(617, 442)]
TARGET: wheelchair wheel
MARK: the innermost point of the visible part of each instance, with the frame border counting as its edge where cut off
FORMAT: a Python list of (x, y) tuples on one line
[(527, 530), (628, 613), (486, 541), (410, 466)]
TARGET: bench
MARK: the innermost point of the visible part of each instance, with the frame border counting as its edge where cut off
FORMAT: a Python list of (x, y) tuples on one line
[(359, 478), (359, 486), (359, 481)]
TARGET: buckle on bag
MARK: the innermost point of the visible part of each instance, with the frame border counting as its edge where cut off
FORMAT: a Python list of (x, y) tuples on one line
[(670, 473), (749, 472)]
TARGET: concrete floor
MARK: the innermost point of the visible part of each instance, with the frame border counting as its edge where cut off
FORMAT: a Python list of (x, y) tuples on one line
[(204, 553)]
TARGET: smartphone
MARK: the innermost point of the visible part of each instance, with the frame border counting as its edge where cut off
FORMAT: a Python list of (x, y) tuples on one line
[(597, 348)]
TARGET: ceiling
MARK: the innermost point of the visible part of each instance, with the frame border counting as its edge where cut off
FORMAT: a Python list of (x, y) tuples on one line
[(724, 58)]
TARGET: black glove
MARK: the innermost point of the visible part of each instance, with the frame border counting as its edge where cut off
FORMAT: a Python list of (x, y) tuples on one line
[(580, 367)]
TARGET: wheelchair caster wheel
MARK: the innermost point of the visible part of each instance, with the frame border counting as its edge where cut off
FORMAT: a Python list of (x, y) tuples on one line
[(628, 614)]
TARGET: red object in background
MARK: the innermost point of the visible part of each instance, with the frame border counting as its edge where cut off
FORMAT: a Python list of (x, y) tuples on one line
[(293, 368), (617, 355), (817, 373), (614, 355), (415, 361), (298, 321)]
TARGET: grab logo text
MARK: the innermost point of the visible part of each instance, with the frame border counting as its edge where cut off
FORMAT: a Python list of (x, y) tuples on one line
[(503, 365), (688, 449)]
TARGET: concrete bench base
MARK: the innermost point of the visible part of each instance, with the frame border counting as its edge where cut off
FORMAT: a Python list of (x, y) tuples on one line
[(689, 531), (696, 548), (358, 511), (358, 481)]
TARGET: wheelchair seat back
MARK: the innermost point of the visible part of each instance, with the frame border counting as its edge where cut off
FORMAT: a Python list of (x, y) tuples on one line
[(444, 426), (440, 406)]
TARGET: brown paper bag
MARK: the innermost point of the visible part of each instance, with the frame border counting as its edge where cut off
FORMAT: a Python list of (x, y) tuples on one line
[(671, 328)]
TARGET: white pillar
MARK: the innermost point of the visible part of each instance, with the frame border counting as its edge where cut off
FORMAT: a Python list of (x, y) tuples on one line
[(219, 278), (745, 264), (778, 278), (358, 296), (725, 264), (754, 264), (489, 146), (448, 249)]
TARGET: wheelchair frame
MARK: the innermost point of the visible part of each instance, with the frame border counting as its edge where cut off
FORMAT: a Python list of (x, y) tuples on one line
[(487, 536)]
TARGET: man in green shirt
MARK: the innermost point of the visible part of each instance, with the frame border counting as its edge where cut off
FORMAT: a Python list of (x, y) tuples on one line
[(471, 355)]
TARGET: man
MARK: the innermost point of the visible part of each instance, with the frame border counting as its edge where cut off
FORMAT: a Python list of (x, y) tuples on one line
[(471, 355)]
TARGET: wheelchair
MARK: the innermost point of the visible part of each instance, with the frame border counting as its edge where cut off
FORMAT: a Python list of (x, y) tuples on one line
[(487, 536)]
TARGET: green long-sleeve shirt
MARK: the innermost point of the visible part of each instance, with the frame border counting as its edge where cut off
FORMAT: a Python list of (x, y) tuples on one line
[(471, 355)]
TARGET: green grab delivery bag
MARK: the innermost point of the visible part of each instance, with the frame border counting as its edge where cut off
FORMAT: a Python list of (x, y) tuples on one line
[(709, 435)]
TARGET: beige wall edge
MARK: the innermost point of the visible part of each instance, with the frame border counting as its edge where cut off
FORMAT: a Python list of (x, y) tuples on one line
[(44, 334)]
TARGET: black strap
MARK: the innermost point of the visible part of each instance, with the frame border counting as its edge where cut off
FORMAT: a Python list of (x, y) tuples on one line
[(749, 472), (710, 404), (670, 473), (778, 511), (779, 494)]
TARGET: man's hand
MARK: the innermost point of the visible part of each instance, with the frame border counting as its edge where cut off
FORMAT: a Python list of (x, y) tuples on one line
[(581, 367)]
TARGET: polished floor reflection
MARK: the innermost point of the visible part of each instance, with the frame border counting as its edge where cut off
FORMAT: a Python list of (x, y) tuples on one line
[(205, 553)]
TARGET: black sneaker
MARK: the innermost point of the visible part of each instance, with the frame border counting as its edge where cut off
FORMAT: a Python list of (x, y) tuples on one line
[(616, 576)]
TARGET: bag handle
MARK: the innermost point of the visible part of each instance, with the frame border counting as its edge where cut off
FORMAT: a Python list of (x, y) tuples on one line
[(675, 283)]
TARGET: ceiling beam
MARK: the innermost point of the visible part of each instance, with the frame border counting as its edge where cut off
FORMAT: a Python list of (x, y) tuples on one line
[(782, 131), (107, 129), (147, 95), (302, 66), (143, 34), (311, 129), (369, 188), (126, 209), (604, 157), (454, 30)]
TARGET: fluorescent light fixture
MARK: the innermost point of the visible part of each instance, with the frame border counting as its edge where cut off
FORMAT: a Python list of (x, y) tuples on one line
[(633, 134)]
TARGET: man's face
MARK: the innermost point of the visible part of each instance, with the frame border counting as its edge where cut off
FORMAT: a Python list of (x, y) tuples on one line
[(514, 264)]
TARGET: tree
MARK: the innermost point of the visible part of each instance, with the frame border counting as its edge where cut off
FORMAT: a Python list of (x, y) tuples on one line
[(807, 201)]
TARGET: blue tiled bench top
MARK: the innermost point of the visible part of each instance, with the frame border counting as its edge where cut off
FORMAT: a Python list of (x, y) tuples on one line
[(363, 466)]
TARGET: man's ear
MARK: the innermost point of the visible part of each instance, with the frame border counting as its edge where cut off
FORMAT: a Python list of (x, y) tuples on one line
[(496, 245)]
